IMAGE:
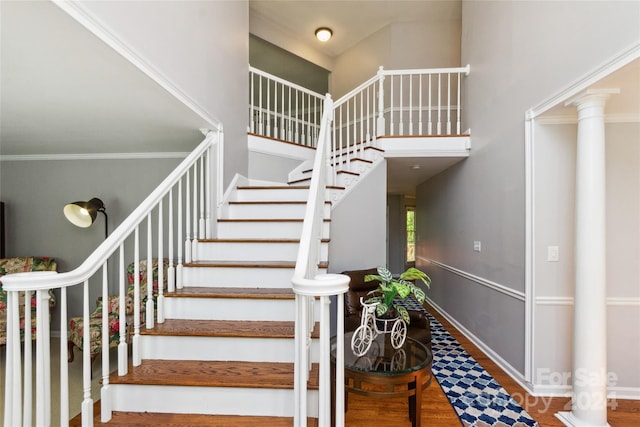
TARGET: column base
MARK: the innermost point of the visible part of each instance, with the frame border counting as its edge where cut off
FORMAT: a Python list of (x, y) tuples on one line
[(570, 420)]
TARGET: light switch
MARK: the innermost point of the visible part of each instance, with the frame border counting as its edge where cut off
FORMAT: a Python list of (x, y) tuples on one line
[(477, 245), (553, 253)]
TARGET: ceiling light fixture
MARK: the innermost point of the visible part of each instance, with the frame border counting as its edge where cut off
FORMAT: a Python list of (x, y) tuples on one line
[(324, 34)]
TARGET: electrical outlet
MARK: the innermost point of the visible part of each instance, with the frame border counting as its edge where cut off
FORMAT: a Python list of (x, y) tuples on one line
[(553, 253), (477, 245)]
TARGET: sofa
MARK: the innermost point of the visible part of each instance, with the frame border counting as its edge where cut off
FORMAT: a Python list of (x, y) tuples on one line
[(21, 265), (419, 327)]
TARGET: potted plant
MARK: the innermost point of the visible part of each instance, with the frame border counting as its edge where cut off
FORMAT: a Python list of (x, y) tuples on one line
[(391, 288)]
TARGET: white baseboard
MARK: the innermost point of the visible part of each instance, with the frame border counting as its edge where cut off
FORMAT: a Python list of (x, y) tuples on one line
[(613, 392), (495, 357)]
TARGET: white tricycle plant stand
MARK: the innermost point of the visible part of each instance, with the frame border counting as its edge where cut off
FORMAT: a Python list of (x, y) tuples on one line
[(368, 330)]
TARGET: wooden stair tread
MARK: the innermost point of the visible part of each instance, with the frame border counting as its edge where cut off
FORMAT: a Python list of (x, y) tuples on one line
[(243, 293), (249, 264), (146, 419), (272, 187), (265, 220), (271, 202), (252, 240), (225, 328), (213, 374)]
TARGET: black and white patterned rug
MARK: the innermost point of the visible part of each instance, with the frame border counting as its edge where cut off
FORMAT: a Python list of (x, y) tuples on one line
[(478, 399)]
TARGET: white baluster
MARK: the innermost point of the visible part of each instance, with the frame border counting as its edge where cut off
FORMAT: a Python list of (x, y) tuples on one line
[(13, 384), (380, 125), (105, 392), (401, 106), (149, 317), (194, 241), (87, 402), (439, 104), (64, 364), (430, 122), (137, 360), (179, 267), (28, 357), (160, 303), (448, 103), (410, 104), (171, 279), (187, 221), (202, 232), (420, 104), (208, 194), (122, 345)]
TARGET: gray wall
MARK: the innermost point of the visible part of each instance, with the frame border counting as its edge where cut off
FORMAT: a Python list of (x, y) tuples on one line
[(520, 54), (397, 46), (202, 47), (358, 225), (35, 191)]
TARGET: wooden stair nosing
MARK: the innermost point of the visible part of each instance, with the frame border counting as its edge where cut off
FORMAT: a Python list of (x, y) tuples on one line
[(225, 329), (197, 373), (251, 240), (248, 264), (146, 419), (268, 202), (348, 173), (266, 219), (232, 293), (272, 187), (241, 264)]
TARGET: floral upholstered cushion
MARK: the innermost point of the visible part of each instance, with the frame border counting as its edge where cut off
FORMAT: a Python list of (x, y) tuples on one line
[(21, 265), (76, 324)]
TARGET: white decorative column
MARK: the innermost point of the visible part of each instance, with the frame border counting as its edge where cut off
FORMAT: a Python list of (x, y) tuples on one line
[(589, 376)]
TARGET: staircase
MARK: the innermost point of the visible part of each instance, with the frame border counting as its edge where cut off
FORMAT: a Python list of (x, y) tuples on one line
[(227, 344)]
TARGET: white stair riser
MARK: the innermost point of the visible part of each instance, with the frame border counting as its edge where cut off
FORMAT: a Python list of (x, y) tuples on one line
[(285, 195), (237, 277), (229, 309), (280, 350), (253, 251), (275, 211), (248, 251), (264, 230), (208, 400)]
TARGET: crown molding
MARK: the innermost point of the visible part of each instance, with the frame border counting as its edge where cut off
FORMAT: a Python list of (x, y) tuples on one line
[(93, 156)]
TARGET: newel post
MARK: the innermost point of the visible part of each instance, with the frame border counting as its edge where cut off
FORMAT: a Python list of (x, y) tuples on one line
[(380, 125)]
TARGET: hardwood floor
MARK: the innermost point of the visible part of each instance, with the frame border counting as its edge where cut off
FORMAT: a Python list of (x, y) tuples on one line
[(437, 411), (366, 412)]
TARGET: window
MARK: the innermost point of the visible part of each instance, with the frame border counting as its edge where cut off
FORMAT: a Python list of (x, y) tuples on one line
[(411, 234)]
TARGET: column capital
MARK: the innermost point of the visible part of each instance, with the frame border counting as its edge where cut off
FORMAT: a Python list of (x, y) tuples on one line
[(591, 97)]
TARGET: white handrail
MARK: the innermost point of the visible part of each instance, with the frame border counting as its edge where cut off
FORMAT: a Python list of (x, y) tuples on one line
[(17, 405), (116, 238), (308, 285)]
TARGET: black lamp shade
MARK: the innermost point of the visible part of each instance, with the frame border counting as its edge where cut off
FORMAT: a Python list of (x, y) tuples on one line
[(83, 214)]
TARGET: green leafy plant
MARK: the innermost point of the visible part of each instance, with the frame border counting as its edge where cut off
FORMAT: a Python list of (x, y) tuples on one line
[(391, 288)]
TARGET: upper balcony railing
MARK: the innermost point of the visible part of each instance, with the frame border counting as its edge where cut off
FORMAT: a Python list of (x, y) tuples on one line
[(283, 110), (393, 103)]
